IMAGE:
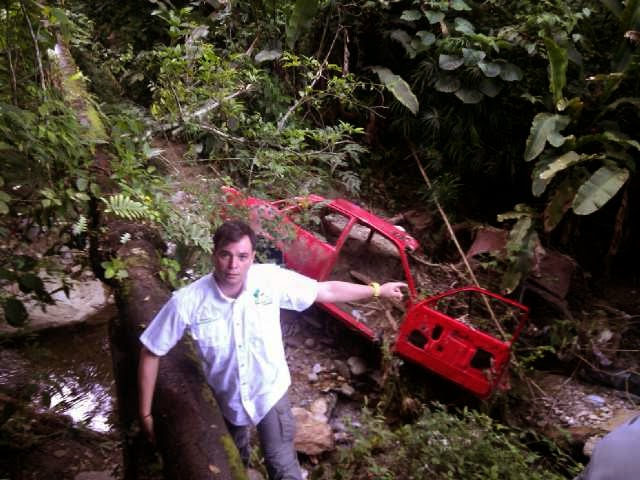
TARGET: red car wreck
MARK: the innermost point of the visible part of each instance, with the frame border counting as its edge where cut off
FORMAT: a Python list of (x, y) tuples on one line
[(464, 335)]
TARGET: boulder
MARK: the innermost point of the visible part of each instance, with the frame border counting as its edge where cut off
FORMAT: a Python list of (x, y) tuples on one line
[(313, 434)]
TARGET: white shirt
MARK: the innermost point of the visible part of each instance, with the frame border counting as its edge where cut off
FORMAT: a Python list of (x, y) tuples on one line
[(239, 339)]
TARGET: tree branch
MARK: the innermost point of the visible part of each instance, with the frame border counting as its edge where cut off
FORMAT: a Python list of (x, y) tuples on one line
[(317, 77), (457, 244), (201, 112), (35, 42)]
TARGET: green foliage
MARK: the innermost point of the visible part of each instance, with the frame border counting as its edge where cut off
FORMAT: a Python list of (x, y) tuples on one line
[(115, 268), (440, 445), (170, 272), (520, 247), (207, 95), (584, 170), (123, 206), (400, 89), (22, 271)]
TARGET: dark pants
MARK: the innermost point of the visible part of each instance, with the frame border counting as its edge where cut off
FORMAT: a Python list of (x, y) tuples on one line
[(276, 432)]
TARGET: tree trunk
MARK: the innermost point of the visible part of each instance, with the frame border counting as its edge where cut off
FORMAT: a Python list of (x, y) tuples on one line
[(191, 433)]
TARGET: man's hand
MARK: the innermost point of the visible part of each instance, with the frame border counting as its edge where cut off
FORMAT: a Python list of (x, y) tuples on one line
[(393, 290), (146, 423)]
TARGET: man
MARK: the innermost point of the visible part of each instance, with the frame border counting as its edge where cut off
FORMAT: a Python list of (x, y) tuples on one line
[(233, 316), (615, 457)]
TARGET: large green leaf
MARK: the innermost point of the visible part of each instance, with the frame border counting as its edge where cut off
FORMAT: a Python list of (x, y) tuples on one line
[(546, 127), (426, 38), (267, 55), (30, 282), (434, 17), (15, 313), (546, 169), (511, 73), (490, 69), (469, 95), (560, 202), (459, 5), (404, 39), (447, 83), (400, 89), (472, 57), (558, 62), (463, 26), (599, 189), (411, 15), (450, 62), (490, 87)]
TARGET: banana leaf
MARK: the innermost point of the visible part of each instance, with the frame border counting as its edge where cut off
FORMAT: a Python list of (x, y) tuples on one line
[(599, 189)]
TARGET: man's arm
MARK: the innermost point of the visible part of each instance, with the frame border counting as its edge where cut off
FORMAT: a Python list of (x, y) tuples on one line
[(147, 376), (336, 291)]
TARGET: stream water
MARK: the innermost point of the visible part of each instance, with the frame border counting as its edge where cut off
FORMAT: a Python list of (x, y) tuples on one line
[(66, 371)]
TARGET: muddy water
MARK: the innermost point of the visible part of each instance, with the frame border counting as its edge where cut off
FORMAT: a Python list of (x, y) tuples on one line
[(66, 371)]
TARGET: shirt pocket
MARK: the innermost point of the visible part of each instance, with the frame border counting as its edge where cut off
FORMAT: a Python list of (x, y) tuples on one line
[(209, 332), (264, 322)]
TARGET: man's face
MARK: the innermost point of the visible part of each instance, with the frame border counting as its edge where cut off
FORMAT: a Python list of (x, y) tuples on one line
[(232, 262)]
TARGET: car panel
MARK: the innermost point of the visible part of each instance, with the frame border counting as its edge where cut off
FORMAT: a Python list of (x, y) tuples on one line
[(475, 359)]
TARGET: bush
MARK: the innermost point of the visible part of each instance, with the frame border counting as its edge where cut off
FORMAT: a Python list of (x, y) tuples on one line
[(439, 445)]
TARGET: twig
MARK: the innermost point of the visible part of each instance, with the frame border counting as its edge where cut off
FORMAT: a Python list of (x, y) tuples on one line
[(35, 42), (391, 320), (222, 134), (206, 108), (421, 260), (317, 77), (12, 72), (457, 244)]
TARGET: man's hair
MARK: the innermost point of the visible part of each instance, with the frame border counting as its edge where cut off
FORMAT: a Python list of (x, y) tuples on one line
[(232, 231)]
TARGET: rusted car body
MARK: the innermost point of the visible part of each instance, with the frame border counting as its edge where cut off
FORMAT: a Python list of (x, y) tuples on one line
[(464, 334)]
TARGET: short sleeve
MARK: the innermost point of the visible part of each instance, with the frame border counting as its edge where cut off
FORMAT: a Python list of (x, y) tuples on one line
[(165, 330), (297, 292)]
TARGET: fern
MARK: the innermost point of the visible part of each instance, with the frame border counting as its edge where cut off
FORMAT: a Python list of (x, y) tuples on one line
[(80, 226), (125, 207)]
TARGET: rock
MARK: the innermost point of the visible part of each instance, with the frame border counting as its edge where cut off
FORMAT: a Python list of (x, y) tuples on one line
[(90, 301), (254, 474), (342, 368), (312, 377), (293, 342), (597, 400), (59, 453), (590, 444), (94, 475), (309, 343), (320, 409), (584, 411), (313, 435), (347, 390), (357, 366)]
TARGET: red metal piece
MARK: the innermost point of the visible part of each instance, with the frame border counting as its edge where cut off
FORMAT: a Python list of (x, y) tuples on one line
[(472, 358)]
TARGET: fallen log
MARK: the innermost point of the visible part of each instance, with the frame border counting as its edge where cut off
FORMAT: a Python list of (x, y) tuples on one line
[(191, 433)]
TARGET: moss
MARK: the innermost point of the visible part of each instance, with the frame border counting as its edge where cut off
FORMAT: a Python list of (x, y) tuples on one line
[(238, 472)]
